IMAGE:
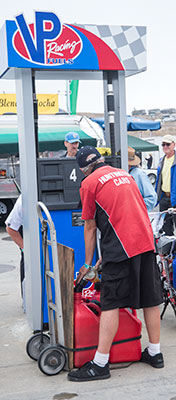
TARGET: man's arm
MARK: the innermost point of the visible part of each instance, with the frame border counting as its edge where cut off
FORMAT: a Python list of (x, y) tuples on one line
[(148, 193), (16, 237), (90, 230)]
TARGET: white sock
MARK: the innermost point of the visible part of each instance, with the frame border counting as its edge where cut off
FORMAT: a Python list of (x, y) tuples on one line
[(101, 359), (153, 348)]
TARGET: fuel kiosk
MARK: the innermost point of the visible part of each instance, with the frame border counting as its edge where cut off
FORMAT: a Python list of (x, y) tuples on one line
[(48, 49)]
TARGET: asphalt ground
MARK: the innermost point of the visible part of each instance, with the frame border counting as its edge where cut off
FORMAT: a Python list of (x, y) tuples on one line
[(21, 379)]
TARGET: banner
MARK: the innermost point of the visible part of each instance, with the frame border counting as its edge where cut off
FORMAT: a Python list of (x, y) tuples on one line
[(47, 103), (73, 96)]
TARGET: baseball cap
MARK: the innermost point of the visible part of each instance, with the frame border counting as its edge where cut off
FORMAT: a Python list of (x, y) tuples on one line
[(72, 137), (168, 139), (87, 155), (133, 159)]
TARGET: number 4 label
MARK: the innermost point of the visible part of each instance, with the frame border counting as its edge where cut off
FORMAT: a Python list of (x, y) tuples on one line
[(73, 176)]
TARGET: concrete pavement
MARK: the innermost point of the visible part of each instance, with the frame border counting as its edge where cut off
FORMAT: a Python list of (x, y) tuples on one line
[(21, 379)]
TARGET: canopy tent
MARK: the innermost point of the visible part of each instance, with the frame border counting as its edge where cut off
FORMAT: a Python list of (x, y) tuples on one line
[(50, 139), (137, 144), (54, 141), (135, 124), (141, 145), (140, 124)]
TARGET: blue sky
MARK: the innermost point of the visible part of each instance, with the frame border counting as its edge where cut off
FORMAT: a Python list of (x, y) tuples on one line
[(152, 89)]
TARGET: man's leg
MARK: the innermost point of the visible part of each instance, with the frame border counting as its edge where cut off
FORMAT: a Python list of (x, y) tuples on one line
[(22, 274), (22, 280), (152, 355), (152, 321), (109, 322)]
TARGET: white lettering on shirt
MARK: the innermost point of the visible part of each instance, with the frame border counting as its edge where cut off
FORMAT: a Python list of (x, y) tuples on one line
[(111, 175), (121, 181)]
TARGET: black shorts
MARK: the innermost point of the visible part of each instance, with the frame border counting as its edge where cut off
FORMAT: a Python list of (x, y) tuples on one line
[(133, 283)]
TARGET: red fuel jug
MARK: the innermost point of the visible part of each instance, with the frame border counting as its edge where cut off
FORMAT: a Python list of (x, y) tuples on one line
[(86, 329), (129, 331)]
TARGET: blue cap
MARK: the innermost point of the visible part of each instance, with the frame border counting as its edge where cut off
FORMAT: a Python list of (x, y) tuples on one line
[(72, 137)]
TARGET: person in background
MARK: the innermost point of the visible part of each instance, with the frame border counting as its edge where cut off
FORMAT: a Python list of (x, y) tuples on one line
[(111, 202), (166, 182), (146, 189), (71, 142), (149, 160), (14, 224)]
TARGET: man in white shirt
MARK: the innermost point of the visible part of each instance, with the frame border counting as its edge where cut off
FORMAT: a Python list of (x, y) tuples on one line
[(14, 224)]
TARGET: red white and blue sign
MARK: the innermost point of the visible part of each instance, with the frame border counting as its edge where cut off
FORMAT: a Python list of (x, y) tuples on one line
[(49, 44)]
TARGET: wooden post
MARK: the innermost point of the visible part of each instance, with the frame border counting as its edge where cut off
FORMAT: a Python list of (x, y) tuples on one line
[(66, 267)]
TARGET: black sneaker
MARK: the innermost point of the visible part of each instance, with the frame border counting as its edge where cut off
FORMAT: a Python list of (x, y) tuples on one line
[(156, 361), (89, 372)]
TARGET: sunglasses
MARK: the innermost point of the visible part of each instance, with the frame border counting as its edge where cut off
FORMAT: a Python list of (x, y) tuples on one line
[(166, 144)]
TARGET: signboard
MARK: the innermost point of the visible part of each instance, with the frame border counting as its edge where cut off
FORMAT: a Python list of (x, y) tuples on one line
[(47, 103), (50, 44)]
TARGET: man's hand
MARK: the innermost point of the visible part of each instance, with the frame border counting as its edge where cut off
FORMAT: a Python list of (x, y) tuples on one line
[(82, 272), (98, 263)]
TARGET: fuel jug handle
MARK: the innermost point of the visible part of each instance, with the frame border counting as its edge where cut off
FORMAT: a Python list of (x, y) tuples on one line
[(94, 308), (134, 312), (93, 301)]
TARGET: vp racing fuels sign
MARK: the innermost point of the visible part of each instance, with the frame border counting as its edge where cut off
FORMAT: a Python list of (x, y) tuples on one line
[(46, 41), (50, 44)]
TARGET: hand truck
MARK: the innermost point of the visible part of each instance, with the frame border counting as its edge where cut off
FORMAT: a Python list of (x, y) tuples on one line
[(41, 347)]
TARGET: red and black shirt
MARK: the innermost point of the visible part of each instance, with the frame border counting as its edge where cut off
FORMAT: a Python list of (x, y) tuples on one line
[(111, 197)]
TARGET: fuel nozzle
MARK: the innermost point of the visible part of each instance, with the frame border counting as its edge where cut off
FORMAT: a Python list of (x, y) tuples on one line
[(80, 286), (92, 275)]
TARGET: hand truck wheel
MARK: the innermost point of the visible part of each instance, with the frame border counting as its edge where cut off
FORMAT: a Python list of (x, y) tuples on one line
[(52, 360), (36, 344)]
